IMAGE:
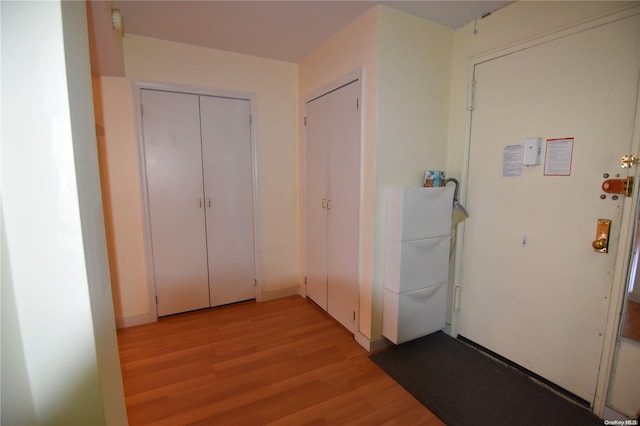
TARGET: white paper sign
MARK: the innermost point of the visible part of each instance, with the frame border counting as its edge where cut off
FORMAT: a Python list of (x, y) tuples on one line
[(512, 161), (558, 157)]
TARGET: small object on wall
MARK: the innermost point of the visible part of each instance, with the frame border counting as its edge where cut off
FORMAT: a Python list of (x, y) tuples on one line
[(558, 157), (512, 161), (116, 20), (434, 178), (531, 151)]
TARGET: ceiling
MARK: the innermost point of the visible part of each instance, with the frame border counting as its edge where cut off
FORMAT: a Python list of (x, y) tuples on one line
[(282, 30)]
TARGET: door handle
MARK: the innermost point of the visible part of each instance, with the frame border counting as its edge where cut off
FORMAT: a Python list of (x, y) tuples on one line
[(324, 203), (328, 204), (209, 202), (601, 243)]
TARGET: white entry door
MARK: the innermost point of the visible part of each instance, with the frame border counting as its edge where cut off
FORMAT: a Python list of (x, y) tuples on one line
[(199, 180), (332, 199), (533, 288)]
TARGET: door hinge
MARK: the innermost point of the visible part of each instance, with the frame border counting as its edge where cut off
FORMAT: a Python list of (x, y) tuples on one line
[(629, 161), (250, 118), (141, 110), (156, 300), (357, 103), (354, 315), (255, 283), (305, 120), (456, 298), (471, 89), (305, 280)]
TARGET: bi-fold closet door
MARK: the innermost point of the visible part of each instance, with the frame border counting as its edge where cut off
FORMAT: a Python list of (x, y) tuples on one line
[(198, 165), (332, 200)]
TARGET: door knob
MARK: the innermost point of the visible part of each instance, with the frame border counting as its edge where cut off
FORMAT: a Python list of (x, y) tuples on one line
[(600, 244)]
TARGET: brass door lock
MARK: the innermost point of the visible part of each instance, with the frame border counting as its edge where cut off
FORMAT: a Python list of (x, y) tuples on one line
[(601, 243)]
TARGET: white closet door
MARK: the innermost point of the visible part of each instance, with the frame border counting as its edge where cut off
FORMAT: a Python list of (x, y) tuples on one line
[(343, 217), (228, 181), (332, 197), (316, 193), (171, 127)]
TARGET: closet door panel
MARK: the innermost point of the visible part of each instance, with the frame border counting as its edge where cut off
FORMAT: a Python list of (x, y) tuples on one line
[(171, 128), (343, 218), (316, 193), (228, 182)]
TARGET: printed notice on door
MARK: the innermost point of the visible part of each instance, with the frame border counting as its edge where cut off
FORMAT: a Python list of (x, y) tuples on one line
[(558, 157), (512, 161)]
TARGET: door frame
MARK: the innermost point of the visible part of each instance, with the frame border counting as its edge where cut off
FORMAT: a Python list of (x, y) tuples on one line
[(625, 242), (350, 77), (137, 87)]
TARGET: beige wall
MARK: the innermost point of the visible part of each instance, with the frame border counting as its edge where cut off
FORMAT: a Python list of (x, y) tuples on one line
[(120, 172), (275, 86), (353, 48), (405, 63), (414, 78)]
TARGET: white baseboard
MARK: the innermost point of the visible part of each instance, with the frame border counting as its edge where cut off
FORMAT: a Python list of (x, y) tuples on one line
[(278, 294), (133, 320), (371, 345)]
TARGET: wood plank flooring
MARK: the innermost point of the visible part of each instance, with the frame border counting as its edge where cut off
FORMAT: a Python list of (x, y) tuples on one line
[(279, 362), (631, 324)]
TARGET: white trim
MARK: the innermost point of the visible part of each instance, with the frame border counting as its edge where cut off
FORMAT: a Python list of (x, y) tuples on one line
[(133, 320), (279, 294), (624, 243), (372, 345), (137, 87), (355, 75)]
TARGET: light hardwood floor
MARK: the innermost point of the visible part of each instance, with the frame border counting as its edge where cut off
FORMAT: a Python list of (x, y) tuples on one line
[(278, 362), (631, 324)]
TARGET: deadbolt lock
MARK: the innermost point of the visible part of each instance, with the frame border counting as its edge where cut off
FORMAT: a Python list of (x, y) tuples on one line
[(601, 243), (619, 186)]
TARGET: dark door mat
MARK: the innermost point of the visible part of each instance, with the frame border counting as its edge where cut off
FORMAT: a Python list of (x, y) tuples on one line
[(463, 386)]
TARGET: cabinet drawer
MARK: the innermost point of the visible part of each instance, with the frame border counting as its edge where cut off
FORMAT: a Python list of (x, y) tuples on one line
[(413, 265), (411, 315), (417, 213)]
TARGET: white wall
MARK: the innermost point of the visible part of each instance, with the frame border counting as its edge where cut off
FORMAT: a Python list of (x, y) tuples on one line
[(275, 85), (63, 365)]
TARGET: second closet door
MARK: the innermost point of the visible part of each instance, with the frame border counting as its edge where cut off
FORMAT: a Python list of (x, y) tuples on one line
[(173, 160), (228, 185)]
